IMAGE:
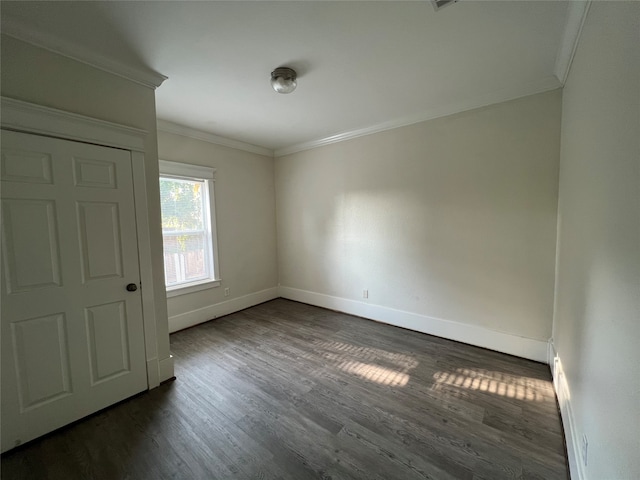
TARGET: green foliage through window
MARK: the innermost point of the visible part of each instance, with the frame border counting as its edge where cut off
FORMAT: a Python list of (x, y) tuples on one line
[(181, 203), (184, 229)]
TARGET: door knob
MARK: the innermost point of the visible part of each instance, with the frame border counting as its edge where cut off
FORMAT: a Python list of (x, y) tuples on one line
[(132, 287)]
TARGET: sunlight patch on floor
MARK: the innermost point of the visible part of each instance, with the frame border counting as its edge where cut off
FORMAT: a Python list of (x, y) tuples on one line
[(368, 363), (375, 373), (497, 383)]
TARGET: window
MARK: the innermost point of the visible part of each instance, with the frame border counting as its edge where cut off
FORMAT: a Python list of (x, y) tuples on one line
[(188, 228)]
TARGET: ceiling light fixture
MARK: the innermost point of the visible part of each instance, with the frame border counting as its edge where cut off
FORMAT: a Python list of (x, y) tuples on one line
[(283, 80)]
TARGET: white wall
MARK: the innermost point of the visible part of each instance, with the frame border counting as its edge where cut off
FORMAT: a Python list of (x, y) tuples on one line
[(42, 77), (246, 224), (597, 317), (449, 220)]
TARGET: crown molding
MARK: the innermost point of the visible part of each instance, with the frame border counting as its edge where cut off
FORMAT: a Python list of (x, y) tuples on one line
[(176, 129), (21, 31), (547, 84), (576, 16)]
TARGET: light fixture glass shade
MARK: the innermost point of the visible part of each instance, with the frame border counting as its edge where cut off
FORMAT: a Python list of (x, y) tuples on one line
[(283, 80)]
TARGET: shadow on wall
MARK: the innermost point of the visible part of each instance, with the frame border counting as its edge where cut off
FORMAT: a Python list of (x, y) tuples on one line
[(437, 254)]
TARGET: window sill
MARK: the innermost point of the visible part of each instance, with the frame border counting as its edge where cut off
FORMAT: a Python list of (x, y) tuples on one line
[(192, 287)]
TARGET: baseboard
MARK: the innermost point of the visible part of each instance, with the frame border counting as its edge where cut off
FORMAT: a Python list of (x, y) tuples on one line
[(471, 334), (165, 367), (572, 439), (201, 315), (159, 371), (153, 373), (551, 356)]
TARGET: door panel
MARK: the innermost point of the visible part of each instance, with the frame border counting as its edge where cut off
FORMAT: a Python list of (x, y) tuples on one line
[(32, 258), (99, 227), (93, 173), (29, 167), (107, 327), (72, 335), (42, 360)]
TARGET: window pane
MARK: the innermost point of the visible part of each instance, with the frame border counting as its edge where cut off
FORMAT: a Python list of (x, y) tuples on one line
[(184, 258), (182, 204), (187, 255)]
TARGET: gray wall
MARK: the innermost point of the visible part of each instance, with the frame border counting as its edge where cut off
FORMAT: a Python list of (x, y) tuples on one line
[(597, 317), (246, 225), (453, 218)]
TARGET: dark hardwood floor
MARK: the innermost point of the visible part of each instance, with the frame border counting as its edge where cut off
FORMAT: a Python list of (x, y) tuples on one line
[(286, 390)]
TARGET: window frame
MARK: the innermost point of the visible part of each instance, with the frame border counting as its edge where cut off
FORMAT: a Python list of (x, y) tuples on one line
[(189, 172)]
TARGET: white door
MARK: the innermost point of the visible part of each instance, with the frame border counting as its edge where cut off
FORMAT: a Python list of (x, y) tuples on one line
[(72, 334)]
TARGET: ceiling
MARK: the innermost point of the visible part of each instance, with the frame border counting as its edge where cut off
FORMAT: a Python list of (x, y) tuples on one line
[(363, 66)]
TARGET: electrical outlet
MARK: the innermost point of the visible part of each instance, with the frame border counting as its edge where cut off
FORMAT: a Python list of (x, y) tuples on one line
[(365, 293), (226, 292), (585, 448)]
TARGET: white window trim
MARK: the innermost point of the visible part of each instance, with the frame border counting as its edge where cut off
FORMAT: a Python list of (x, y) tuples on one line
[(190, 172), (186, 170), (192, 287)]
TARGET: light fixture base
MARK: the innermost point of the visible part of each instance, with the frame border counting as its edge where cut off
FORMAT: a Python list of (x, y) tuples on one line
[(283, 79)]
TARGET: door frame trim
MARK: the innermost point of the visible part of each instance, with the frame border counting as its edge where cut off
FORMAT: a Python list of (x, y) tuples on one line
[(35, 119), (32, 118)]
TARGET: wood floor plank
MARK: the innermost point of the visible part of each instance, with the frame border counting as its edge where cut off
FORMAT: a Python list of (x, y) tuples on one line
[(290, 391)]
